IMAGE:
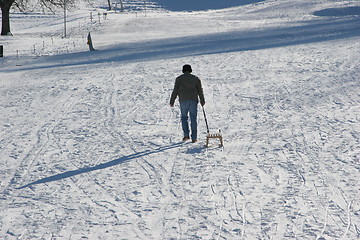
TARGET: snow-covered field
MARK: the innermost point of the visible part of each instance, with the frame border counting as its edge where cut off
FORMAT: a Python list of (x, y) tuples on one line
[(90, 149)]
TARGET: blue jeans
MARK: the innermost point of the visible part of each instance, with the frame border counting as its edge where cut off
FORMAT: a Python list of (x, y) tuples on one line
[(189, 107)]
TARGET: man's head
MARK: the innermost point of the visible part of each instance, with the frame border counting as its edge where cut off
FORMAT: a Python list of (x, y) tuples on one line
[(187, 68)]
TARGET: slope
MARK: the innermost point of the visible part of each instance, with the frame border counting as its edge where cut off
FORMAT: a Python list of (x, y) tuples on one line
[(90, 148)]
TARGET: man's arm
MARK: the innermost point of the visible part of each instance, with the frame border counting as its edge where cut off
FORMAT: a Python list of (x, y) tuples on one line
[(201, 93), (175, 92)]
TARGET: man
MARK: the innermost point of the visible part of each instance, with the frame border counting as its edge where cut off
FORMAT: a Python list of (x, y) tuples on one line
[(188, 88)]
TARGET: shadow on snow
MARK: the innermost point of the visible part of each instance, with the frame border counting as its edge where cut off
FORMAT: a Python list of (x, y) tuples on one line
[(198, 5), (225, 42), (338, 12), (112, 163)]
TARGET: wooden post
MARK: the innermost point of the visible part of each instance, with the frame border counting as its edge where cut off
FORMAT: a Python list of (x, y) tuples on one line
[(122, 6), (89, 42)]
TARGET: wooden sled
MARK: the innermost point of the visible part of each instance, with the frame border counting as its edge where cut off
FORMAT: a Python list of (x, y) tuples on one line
[(209, 135), (216, 135)]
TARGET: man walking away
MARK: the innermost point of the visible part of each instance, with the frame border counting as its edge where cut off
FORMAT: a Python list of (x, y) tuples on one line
[(188, 88)]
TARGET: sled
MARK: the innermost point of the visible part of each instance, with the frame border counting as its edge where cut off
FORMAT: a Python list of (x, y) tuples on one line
[(213, 135), (216, 135)]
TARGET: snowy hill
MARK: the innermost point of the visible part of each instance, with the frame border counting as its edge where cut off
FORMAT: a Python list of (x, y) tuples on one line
[(90, 149), (197, 5)]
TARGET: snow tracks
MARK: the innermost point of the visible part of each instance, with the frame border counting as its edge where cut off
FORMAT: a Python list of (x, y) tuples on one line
[(92, 151)]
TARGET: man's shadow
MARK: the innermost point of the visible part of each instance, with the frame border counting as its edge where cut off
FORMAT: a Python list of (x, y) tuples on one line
[(102, 165)]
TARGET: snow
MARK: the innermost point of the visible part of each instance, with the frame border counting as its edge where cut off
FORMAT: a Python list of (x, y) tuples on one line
[(90, 148), (191, 5)]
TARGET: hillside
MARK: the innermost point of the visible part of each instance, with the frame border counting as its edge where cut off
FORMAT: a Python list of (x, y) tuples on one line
[(90, 148)]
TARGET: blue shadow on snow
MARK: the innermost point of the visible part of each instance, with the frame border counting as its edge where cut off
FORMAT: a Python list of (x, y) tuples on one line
[(307, 32), (199, 5), (338, 12), (112, 163)]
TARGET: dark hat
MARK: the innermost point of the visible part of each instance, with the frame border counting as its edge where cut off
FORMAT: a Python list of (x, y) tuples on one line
[(186, 68)]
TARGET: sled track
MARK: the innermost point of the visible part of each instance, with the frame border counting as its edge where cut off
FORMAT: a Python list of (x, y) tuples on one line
[(93, 151)]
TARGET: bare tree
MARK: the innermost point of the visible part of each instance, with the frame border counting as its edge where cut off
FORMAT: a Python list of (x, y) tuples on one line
[(22, 6)]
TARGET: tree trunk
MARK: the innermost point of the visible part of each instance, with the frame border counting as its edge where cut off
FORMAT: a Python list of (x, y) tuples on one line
[(5, 11)]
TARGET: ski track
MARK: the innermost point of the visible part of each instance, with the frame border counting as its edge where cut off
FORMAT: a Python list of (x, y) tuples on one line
[(95, 153)]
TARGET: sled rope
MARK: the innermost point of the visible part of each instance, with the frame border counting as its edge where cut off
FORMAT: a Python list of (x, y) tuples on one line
[(214, 135)]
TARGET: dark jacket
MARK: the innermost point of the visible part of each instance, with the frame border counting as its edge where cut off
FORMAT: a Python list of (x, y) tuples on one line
[(187, 87)]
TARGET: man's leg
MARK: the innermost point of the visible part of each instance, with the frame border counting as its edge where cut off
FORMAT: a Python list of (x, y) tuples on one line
[(193, 117), (184, 109)]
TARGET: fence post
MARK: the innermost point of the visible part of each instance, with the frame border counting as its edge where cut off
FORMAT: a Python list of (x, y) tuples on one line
[(89, 42)]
